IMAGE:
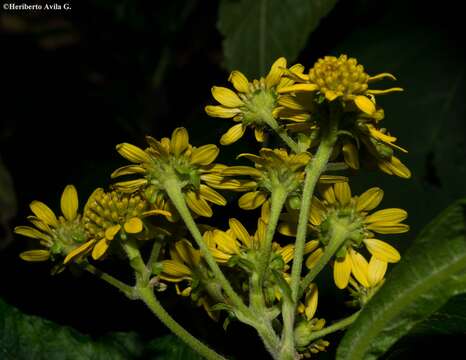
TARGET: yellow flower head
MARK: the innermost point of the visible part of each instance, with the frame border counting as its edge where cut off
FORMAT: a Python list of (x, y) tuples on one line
[(168, 159), (186, 265), (253, 103), (59, 235), (337, 203), (272, 168), (108, 214), (340, 78)]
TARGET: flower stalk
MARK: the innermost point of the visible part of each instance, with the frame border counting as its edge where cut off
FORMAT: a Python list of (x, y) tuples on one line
[(173, 189)]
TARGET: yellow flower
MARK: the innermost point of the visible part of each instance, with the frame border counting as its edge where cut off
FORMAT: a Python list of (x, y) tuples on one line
[(185, 265), (107, 215), (272, 168), (59, 235), (337, 202), (340, 78), (253, 103), (176, 159)]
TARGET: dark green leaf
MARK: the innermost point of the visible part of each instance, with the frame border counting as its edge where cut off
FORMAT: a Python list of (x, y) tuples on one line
[(432, 271), (258, 32), (25, 337)]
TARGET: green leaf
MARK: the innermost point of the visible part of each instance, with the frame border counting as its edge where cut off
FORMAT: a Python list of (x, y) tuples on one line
[(25, 337), (258, 32), (431, 272), (450, 319)]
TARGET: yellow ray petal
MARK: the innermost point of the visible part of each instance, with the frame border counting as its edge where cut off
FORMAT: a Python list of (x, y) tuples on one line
[(204, 155), (252, 200), (381, 77), (179, 141), (298, 88), (211, 195), (112, 231), (133, 153), (240, 232), (342, 193), (78, 251), (187, 253), (128, 170), (44, 213), (100, 248), (242, 170), (359, 268), (32, 233), (233, 134), (311, 246), (382, 251), (226, 97), (328, 193), (221, 111), (197, 204), (383, 92), (314, 257), (370, 199), (391, 215), (394, 167), (342, 271), (287, 253), (35, 255), (350, 154), (312, 296), (377, 270), (365, 104), (175, 270), (276, 72), (129, 186), (225, 242), (69, 202), (239, 81), (133, 225)]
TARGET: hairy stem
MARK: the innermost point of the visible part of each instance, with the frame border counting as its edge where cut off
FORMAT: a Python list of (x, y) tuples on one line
[(124, 288), (147, 296), (313, 171), (339, 325), (281, 132), (340, 233), (176, 196), (279, 195)]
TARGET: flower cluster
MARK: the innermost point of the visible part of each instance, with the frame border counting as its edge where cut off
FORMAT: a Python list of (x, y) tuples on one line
[(329, 120)]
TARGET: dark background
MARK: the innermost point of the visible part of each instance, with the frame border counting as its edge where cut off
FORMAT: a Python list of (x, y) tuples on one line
[(77, 83)]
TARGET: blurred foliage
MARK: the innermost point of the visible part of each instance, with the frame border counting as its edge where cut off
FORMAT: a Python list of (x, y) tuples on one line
[(431, 272), (25, 337), (258, 32)]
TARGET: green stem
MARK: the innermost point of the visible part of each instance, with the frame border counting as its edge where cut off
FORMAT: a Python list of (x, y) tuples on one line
[(287, 349), (279, 195), (175, 194), (339, 235), (313, 171), (154, 254), (272, 123), (339, 325), (124, 288), (147, 296)]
